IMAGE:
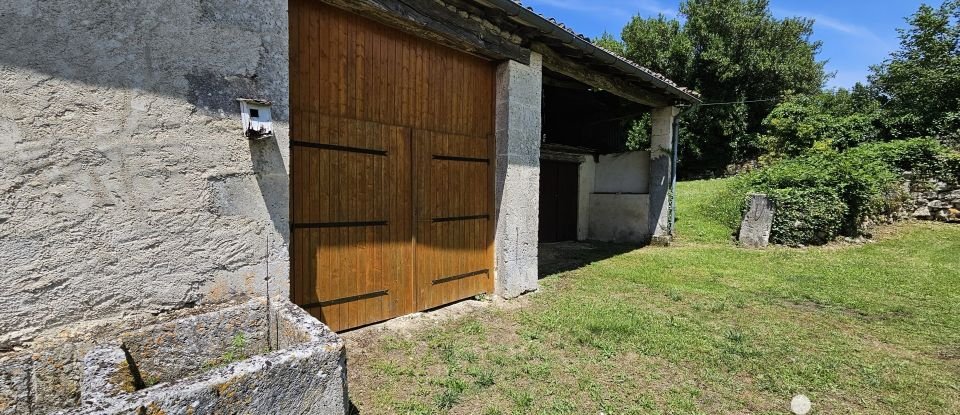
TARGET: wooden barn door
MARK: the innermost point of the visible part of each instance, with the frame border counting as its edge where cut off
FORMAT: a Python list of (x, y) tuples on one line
[(391, 169), (454, 217)]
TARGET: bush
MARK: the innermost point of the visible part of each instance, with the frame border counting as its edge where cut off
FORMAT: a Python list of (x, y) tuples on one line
[(807, 216), (824, 193), (924, 158)]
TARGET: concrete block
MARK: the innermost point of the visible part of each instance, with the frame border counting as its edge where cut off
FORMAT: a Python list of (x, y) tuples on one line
[(661, 171), (758, 222)]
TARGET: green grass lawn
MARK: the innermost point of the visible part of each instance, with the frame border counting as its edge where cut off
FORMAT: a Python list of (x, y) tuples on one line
[(702, 327)]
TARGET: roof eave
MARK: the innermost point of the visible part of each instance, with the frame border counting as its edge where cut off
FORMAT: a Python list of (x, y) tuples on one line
[(551, 29)]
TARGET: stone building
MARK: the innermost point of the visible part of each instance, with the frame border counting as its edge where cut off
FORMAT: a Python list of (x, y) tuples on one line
[(365, 158)]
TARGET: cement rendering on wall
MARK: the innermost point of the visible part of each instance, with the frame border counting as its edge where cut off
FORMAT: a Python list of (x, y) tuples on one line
[(126, 184), (617, 207), (623, 173), (619, 218), (519, 97), (587, 176)]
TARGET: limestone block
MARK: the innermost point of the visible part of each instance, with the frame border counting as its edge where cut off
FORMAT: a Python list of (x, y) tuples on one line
[(758, 222), (307, 375), (922, 213)]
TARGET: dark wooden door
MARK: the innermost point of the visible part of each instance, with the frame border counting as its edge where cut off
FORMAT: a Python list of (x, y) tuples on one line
[(559, 197), (391, 169)]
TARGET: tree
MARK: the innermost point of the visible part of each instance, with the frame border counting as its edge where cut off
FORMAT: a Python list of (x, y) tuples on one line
[(608, 42), (839, 119), (921, 80), (729, 51)]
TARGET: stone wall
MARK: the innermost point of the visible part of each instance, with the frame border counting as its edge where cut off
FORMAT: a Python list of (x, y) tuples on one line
[(126, 184), (935, 200)]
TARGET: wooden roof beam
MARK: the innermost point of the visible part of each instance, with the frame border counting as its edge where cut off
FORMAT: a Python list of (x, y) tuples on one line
[(600, 80)]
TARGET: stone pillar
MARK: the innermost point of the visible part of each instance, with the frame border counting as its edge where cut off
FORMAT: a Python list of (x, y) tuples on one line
[(519, 96), (661, 173)]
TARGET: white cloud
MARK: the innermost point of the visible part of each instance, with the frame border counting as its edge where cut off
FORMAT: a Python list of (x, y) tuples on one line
[(837, 25)]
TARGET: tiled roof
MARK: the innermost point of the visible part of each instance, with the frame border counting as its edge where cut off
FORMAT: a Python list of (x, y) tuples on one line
[(641, 69)]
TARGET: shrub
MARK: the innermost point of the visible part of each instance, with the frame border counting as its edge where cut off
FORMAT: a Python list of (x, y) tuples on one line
[(807, 216), (924, 158), (824, 193)]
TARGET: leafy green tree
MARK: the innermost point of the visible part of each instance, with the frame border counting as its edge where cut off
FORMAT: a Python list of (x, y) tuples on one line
[(729, 51), (608, 42), (921, 80), (840, 119)]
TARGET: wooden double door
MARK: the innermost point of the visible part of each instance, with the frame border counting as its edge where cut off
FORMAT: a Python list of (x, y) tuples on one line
[(391, 170)]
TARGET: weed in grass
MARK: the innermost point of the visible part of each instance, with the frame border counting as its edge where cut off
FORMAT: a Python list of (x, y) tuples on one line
[(394, 343), (392, 369), (735, 336), (472, 327), (561, 406), (483, 378), (675, 296), (413, 408), (521, 399), (718, 307), (451, 390)]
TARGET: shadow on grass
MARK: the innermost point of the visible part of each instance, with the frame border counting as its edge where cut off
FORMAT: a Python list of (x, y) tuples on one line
[(560, 257)]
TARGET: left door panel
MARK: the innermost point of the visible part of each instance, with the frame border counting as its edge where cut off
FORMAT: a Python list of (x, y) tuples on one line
[(351, 222)]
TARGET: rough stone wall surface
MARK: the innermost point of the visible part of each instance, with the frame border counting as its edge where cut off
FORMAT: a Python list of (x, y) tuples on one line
[(661, 172), (933, 200), (519, 98), (125, 182), (15, 384)]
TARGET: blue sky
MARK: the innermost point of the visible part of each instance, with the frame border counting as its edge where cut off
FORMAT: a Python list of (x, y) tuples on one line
[(855, 33)]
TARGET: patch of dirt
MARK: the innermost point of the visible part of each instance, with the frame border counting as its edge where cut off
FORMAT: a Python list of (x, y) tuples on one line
[(364, 344), (949, 353)]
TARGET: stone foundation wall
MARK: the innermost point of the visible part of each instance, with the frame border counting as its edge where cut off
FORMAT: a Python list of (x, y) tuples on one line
[(126, 183)]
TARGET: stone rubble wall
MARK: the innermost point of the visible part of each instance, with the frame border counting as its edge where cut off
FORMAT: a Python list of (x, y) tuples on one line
[(933, 200)]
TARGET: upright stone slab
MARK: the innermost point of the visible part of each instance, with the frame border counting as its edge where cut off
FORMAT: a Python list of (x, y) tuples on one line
[(661, 173), (757, 223), (519, 97)]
